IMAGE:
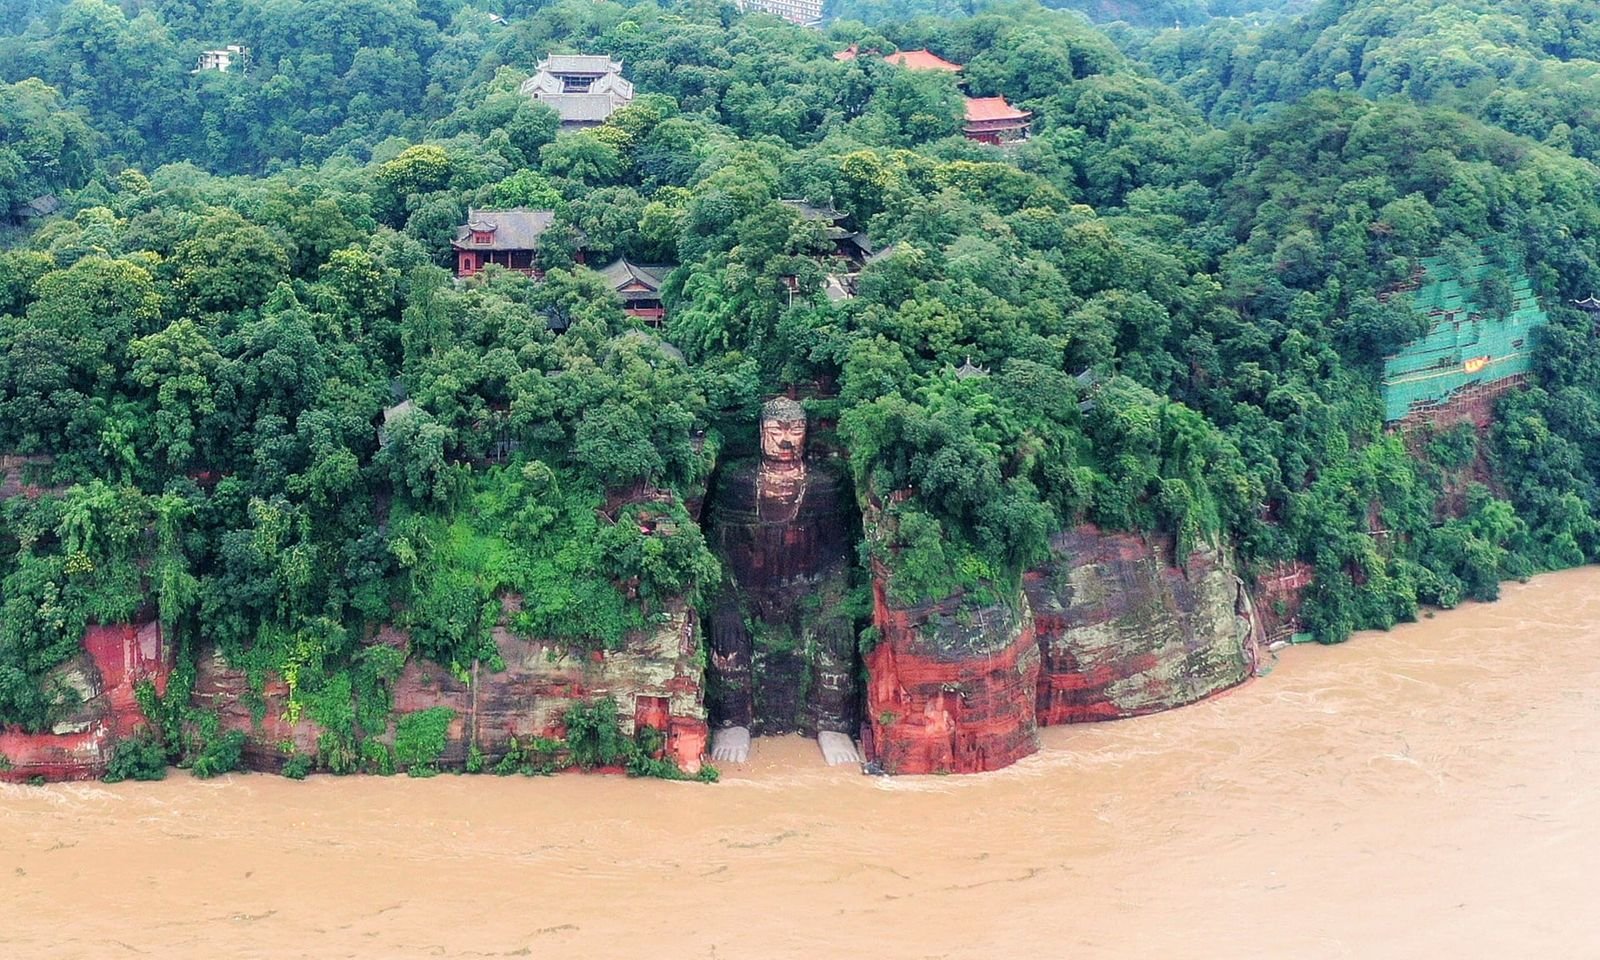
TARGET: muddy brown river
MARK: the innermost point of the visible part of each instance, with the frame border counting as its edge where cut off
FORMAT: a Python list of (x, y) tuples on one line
[(1425, 793)]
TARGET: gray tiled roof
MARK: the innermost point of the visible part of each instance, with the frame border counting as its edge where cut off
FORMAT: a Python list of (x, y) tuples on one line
[(810, 211), (883, 254), (583, 107), (620, 273), (588, 101), (41, 206), (580, 63), (517, 229)]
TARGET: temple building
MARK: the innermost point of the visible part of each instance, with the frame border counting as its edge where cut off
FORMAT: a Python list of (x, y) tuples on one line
[(584, 90), (803, 12), (223, 60), (851, 245), (1471, 354), (992, 120), (506, 238), (910, 59), (922, 60), (41, 206), (638, 286)]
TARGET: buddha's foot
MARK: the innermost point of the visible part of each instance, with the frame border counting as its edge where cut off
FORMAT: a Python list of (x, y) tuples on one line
[(838, 748), (730, 745)]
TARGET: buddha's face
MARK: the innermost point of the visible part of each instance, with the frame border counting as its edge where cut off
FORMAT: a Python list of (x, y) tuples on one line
[(783, 441)]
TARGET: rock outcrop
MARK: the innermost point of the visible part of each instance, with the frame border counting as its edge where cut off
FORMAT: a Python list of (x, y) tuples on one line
[(656, 679), (21, 475), (100, 685), (950, 686), (1280, 592), (1108, 627), (1123, 632), (273, 733)]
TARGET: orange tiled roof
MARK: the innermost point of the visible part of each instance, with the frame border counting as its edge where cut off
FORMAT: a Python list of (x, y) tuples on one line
[(848, 53), (922, 60), (993, 108)]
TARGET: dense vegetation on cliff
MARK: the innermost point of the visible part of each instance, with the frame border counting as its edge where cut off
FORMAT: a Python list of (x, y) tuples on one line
[(273, 414)]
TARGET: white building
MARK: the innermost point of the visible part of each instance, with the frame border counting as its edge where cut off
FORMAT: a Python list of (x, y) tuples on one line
[(225, 59), (804, 12), (584, 90)]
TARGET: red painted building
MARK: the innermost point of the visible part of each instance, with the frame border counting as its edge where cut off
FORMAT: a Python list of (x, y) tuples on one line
[(993, 120), (910, 59), (922, 60), (638, 286), (506, 238)]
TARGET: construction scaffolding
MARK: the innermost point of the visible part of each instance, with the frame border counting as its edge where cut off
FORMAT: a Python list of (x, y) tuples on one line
[(1468, 348)]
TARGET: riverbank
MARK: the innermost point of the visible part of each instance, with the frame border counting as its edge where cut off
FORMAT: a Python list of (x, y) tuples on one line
[(1431, 791)]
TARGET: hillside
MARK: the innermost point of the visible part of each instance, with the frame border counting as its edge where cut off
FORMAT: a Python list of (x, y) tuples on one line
[(363, 347), (1531, 68)]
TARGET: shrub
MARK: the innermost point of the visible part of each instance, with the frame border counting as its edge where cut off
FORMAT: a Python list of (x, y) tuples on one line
[(142, 758), (377, 757), (594, 737), (296, 767), (539, 756), (220, 755), (420, 739)]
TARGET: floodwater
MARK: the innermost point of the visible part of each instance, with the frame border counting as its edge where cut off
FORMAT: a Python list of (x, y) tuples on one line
[(1425, 793)]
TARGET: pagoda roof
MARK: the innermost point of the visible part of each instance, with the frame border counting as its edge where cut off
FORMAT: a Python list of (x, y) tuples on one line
[(584, 107), (810, 211), (922, 60), (980, 109), (515, 229), (622, 273), (579, 64), (969, 370)]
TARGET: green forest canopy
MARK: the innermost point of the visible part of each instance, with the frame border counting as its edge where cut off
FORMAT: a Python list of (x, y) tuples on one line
[(248, 269)]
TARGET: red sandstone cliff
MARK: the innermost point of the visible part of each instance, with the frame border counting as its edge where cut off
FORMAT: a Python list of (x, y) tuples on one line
[(950, 689), (115, 659), (1280, 593), (1107, 628), (270, 740), (656, 679), (21, 475), (1124, 632)]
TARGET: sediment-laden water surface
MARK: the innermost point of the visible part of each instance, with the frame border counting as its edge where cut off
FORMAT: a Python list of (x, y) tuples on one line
[(1429, 792)]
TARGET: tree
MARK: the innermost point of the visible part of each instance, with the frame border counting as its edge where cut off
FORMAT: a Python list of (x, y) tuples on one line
[(583, 157), (230, 264), (178, 364)]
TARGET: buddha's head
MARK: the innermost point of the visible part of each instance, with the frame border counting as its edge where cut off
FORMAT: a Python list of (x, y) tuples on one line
[(783, 431)]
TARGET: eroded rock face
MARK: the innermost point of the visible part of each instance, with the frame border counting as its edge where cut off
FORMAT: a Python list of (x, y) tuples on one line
[(655, 679), (272, 732), (19, 474), (951, 688), (1123, 632), (1107, 628), (1280, 594), (101, 682)]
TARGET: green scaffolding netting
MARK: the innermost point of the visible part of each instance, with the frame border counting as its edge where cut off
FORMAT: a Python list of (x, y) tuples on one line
[(1466, 344)]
